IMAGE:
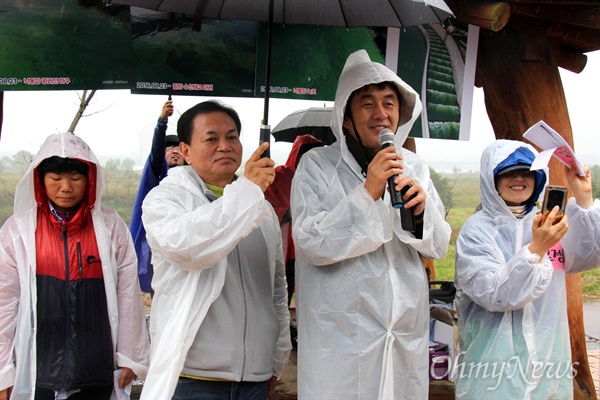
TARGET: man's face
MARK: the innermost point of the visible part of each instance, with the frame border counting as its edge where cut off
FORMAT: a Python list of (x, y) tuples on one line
[(65, 190), (516, 187), (173, 156), (373, 110), (215, 150)]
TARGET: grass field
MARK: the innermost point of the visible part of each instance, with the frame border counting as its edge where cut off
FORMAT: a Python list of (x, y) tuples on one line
[(121, 188)]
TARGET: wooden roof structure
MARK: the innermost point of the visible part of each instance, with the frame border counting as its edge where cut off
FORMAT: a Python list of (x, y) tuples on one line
[(572, 26)]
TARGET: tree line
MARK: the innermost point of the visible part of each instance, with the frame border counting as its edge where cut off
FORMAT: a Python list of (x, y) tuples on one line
[(121, 182)]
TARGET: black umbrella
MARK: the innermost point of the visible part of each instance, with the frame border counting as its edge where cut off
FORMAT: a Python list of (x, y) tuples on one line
[(349, 13), (315, 121)]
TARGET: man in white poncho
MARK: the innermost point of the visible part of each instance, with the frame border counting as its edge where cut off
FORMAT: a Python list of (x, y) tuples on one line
[(362, 288), (510, 279), (220, 321)]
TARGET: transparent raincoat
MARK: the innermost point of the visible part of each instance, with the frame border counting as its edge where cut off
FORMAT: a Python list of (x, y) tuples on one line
[(191, 238), (512, 310), (18, 275), (362, 297)]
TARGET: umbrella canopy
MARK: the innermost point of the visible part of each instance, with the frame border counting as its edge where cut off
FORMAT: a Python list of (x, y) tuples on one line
[(315, 121), (349, 13)]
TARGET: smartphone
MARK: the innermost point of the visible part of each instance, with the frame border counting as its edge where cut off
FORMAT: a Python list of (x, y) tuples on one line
[(170, 98), (555, 196)]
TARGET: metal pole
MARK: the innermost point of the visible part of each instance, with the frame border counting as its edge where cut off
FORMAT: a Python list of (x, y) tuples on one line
[(265, 128)]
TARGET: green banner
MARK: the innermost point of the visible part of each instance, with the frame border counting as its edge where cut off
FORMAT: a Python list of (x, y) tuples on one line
[(172, 55), (90, 44), (306, 60), (57, 44)]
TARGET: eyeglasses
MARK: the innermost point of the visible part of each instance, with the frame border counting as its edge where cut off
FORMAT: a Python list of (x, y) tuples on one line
[(172, 148)]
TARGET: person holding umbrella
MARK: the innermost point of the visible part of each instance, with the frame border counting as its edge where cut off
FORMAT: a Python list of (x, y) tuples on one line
[(219, 321), (164, 154), (362, 296)]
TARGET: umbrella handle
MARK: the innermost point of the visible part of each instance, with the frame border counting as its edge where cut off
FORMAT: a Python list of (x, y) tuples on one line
[(265, 136)]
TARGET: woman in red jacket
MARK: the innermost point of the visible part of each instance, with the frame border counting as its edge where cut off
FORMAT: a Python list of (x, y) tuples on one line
[(70, 303)]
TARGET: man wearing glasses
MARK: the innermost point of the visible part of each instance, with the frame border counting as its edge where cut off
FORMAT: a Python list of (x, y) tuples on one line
[(164, 154)]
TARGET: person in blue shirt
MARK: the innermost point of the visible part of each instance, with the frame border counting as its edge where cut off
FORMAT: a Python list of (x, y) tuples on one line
[(164, 154)]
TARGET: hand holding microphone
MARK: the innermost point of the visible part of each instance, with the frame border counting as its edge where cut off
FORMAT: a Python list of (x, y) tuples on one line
[(407, 216)]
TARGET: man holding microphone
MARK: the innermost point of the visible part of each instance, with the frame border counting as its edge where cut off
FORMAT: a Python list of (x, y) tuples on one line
[(362, 301)]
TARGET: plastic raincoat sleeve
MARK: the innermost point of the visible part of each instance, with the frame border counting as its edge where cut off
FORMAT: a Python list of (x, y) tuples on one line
[(157, 151), (582, 245), (198, 239), (283, 346), (9, 306), (330, 226), (436, 231), (491, 281), (132, 342)]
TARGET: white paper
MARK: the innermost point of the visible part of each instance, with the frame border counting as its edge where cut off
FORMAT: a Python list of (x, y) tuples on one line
[(547, 139), (542, 160), (125, 393)]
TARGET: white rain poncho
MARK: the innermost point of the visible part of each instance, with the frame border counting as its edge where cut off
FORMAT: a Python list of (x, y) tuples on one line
[(191, 238), (512, 310), (119, 268), (362, 294)]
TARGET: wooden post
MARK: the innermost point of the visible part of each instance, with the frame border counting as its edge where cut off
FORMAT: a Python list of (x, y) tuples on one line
[(521, 83)]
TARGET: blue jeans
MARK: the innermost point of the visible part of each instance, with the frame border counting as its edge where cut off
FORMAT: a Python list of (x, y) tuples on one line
[(195, 389)]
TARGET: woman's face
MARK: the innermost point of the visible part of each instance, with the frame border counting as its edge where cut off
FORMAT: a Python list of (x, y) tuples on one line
[(516, 187), (65, 190)]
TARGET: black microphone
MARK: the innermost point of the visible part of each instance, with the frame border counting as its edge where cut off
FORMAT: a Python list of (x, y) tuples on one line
[(386, 139), (407, 215)]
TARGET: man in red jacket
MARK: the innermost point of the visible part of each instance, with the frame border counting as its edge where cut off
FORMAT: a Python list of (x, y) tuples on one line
[(278, 194)]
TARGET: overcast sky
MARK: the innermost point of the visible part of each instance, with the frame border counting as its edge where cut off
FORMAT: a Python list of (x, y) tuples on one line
[(120, 124)]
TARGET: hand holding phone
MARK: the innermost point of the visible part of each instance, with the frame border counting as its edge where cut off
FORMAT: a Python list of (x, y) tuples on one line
[(554, 196)]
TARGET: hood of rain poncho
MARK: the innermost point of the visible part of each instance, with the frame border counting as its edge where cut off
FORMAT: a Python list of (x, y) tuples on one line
[(498, 156), (360, 71), (65, 145)]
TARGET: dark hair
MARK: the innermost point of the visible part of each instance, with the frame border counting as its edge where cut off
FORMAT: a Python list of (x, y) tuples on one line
[(185, 124), (60, 165), (380, 86)]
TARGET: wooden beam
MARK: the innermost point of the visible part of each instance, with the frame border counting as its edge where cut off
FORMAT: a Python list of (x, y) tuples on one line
[(518, 93), (578, 38), (569, 59), (557, 2), (492, 16), (584, 16)]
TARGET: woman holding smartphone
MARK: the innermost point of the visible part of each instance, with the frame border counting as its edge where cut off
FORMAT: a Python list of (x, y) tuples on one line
[(511, 262)]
